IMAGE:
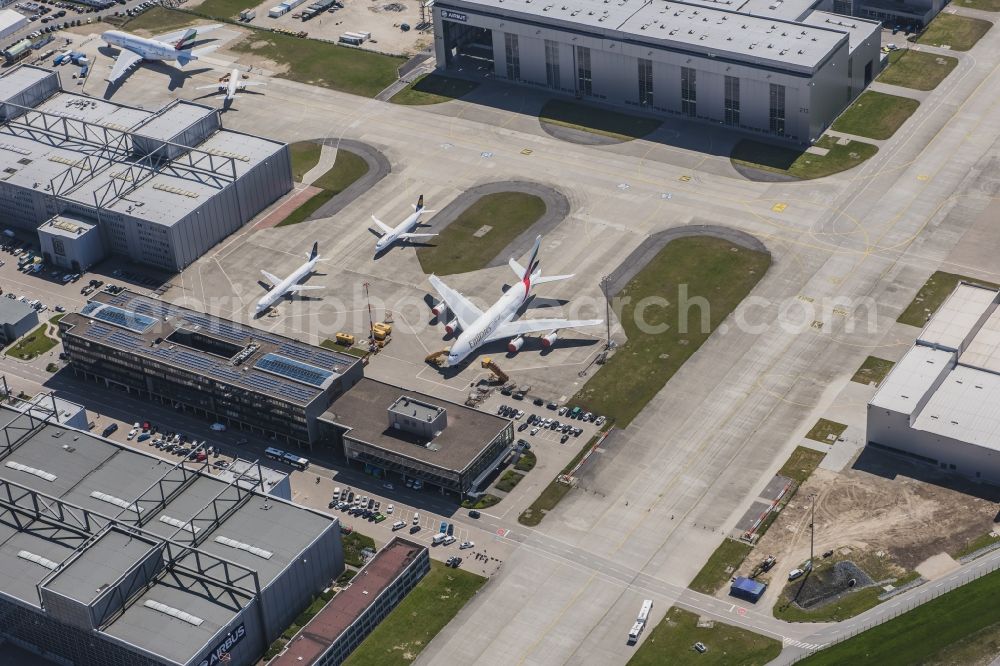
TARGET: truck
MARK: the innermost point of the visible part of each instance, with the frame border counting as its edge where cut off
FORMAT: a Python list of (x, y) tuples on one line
[(438, 538), (640, 622), (248, 15)]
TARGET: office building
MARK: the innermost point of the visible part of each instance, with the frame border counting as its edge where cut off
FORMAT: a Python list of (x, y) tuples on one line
[(940, 404), (330, 637), (777, 68), (159, 187), (388, 430), (238, 375), (113, 557)]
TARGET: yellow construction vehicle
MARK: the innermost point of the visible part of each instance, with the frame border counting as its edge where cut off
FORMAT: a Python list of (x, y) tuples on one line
[(345, 339), (499, 376), (435, 358)]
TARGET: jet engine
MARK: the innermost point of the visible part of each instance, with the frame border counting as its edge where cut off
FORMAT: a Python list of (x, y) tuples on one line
[(451, 327), (549, 340), (439, 308), (515, 345)]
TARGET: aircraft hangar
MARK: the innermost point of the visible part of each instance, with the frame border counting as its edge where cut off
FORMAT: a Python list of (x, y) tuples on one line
[(782, 68)]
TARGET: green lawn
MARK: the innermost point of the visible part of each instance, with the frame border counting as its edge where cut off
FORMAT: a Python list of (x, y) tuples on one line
[(509, 481), (720, 566), (433, 89), (960, 33), (800, 164), (484, 502), (930, 297), (910, 638), (711, 269), (324, 64), (347, 169), (975, 544), (526, 462), (406, 631), (159, 20), (457, 250), (353, 544), (984, 5), (360, 352), (31, 345), (979, 648), (917, 69), (874, 369), (545, 502), (305, 155), (613, 124), (672, 640), (875, 115), (222, 9), (802, 462), (823, 429)]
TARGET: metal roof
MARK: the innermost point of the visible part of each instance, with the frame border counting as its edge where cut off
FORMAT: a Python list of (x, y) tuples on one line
[(20, 79), (983, 351), (714, 29), (966, 407), (12, 310), (956, 318), (911, 378)]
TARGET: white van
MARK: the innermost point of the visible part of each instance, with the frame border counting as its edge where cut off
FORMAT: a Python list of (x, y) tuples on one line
[(448, 540), (398, 525), (416, 518), (438, 538), (336, 493)]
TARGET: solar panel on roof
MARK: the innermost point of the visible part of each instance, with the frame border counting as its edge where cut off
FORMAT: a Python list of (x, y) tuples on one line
[(292, 369), (133, 321), (99, 331)]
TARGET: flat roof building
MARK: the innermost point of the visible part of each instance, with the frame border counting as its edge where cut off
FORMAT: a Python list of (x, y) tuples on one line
[(385, 429), (112, 557), (330, 637), (782, 69), (939, 404), (16, 319), (162, 186), (220, 369)]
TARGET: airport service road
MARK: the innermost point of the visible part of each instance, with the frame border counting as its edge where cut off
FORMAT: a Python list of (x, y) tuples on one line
[(661, 500)]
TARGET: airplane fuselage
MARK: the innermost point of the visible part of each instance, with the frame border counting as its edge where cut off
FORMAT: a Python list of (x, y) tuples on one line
[(501, 312), (283, 287), (404, 227), (149, 49)]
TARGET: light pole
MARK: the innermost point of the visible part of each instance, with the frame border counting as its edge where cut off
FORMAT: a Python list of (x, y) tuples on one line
[(812, 530)]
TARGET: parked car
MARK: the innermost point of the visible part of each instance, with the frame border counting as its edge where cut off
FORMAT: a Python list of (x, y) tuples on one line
[(474, 514), (444, 527), (132, 433), (451, 529), (795, 573), (218, 427), (466, 544), (109, 430), (389, 509)]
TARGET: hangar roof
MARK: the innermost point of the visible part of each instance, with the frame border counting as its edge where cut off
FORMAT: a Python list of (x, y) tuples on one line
[(957, 316), (911, 378), (964, 407)]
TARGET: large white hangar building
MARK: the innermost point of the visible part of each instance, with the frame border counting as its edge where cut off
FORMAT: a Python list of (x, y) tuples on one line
[(941, 402), (783, 68)]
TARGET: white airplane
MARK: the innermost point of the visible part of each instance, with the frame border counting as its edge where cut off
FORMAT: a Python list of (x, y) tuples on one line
[(172, 46), (230, 84), (290, 284), (403, 230), (479, 328)]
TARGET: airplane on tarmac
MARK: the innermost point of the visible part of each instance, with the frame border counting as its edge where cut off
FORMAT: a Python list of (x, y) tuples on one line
[(172, 46), (479, 328), (290, 284), (230, 84), (403, 230)]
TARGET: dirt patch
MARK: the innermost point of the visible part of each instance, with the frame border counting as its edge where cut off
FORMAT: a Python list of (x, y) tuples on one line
[(937, 566), (880, 505)]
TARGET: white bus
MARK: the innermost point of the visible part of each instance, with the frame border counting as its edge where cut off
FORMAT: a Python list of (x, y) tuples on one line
[(640, 622), (295, 461)]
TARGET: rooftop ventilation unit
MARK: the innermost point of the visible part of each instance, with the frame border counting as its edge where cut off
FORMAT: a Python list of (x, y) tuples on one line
[(180, 524), (117, 501), (233, 543), (37, 559)]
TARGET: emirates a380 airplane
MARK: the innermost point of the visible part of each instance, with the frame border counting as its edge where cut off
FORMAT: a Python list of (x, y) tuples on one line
[(478, 327), (174, 46)]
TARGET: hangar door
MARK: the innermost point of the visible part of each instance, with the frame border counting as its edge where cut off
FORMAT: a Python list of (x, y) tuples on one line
[(466, 45)]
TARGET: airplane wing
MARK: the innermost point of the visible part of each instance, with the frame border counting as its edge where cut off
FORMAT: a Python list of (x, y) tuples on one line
[(515, 328), (463, 308), (416, 235), (253, 83), (386, 229), (125, 61), (215, 87), (273, 279), (172, 37), (304, 287)]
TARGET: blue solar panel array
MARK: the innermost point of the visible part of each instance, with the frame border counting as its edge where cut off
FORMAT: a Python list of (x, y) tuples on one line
[(292, 369), (111, 314)]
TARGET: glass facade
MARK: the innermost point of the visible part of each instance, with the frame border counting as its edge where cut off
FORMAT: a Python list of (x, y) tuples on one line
[(552, 64), (645, 82), (584, 77), (689, 91), (776, 112), (513, 56), (732, 101)]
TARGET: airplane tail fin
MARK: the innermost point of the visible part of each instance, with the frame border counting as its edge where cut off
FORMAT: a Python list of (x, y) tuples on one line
[(419, 206), (533, 259), (314, 254), (185, 39)]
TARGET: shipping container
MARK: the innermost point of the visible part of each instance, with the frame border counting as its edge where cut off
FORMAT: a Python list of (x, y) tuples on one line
[(750, 590), (275, 12)]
